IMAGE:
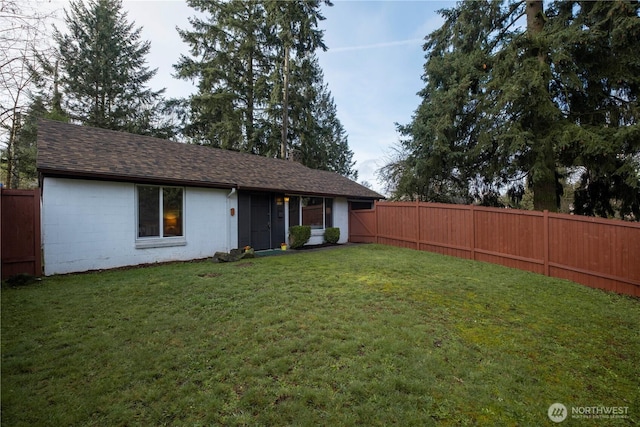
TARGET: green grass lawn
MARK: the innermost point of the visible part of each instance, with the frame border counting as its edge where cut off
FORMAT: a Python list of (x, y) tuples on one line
[(360, 335)]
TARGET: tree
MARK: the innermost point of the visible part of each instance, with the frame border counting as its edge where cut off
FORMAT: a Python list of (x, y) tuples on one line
[(25, 146), (597, 83), (328, 147), (22, 34), (448, 148), (315, 136), (230, 61), (506, 106), (295, 25), (103, 76), (260, 88)]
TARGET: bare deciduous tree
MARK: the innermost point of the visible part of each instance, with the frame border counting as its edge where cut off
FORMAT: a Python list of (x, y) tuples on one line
[(23, 32)]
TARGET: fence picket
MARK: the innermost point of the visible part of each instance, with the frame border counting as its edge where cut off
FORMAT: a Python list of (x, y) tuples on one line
[(595, 252)]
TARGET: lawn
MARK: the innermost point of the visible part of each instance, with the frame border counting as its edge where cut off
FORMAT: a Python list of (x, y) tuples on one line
[(359, 335)]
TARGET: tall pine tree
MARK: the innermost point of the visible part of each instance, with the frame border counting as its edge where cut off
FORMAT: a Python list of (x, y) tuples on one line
[(506, 103), (259, 83), (597, 84), (24, 171), (103, 72), (231, 65)]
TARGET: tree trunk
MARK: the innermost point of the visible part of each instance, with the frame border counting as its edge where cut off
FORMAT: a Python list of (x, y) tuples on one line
[(535, 17), (544, 178), (285, 104), (543, 174), (251, 143), (11, 146)]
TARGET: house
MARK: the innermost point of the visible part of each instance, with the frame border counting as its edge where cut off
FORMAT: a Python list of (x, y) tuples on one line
[(112, 199)]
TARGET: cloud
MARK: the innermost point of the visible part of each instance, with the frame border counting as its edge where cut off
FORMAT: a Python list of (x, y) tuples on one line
[(375, 45)]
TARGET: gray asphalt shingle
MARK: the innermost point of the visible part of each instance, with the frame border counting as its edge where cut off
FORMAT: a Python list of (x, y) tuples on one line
[(85, 152)]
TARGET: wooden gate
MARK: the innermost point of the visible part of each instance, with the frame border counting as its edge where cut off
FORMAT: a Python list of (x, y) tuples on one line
[(20, 233), (362, 226)]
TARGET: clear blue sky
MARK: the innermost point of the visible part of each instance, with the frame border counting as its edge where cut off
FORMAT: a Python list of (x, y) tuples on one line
[(373, 66)]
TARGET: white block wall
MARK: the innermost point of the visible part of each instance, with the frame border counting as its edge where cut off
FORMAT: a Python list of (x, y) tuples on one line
[(341, 218), (90, 225)]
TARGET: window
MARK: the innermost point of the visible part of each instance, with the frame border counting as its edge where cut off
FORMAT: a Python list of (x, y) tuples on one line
[(160, 212), (317, 212), (361, 205), (312, 212)]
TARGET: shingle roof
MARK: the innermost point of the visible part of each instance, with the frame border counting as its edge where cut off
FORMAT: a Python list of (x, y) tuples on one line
[(80, 151)]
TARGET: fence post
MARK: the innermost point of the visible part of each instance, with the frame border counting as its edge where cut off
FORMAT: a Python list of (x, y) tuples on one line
[(545, 218), (473, 233), (375, 217), (1, 193), (37, 232), (418, 224)]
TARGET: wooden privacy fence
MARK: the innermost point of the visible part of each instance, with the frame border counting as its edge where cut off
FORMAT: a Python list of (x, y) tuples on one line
[(20, 233), (596, 252)]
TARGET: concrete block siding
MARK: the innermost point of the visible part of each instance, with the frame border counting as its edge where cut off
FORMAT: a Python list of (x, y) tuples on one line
[(89, 225)]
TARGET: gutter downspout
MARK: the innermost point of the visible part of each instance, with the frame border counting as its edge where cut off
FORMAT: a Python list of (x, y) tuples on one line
[(231, 193)]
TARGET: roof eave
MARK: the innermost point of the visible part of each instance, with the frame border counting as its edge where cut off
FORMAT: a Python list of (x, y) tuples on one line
[(57, 173)]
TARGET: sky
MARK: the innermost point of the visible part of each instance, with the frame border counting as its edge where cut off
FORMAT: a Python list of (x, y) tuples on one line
[(373, 66)]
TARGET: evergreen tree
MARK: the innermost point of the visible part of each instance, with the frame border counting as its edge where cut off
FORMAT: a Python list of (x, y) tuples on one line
[(24, 171), (103, 75), (260, 88), (231, 64), (295, 27), (597, 83), (329, 145), (314, 132), (504, 105)]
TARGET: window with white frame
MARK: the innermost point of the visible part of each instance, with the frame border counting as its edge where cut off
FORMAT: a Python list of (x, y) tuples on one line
[(160, 212), (316, 212)]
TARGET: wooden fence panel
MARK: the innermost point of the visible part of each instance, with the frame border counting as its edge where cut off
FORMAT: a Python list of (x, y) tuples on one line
[(398, 224), (20, 232), (510, 238), (446, 229), (599, 253), (596, 252)]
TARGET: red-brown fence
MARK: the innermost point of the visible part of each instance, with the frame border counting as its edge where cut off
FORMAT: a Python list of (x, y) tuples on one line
[(20, 233), (596, 252)]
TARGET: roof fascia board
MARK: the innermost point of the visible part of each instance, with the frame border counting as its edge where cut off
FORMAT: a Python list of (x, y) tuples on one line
[(135, 180)]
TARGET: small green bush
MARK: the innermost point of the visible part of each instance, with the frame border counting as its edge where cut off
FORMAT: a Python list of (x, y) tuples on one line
[(299, 235), (332, 235)]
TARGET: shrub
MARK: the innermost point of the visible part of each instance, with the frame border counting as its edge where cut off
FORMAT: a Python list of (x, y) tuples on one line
[(299, 235), (332, 235)]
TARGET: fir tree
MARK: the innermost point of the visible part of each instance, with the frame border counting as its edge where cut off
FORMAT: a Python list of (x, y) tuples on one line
[(24, 171), (231, 64), (260, 88), (103, 76), (505, 105), (597, 83)]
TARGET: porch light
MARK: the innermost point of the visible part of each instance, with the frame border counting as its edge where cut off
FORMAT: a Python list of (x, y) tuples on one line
[(286, 199)]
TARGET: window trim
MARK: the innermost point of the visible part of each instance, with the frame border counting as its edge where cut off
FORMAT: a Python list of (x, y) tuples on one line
[(159, 241)]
